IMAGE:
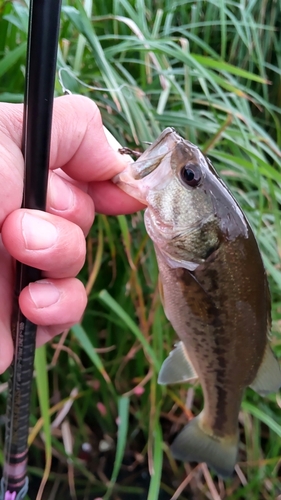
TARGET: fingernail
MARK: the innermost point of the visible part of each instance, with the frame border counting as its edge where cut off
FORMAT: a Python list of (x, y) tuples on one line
[(61, 194), (43, 293), (38, 233)]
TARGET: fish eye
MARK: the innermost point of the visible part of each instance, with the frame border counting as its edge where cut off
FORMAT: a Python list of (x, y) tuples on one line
[(191, 175)]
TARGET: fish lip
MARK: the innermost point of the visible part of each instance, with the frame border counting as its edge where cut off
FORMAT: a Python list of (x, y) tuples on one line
[(125, 181), (150, 159), (117, 177)]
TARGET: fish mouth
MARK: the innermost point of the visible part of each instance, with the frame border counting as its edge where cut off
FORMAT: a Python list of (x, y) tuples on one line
[(125, 180), (132, 179)]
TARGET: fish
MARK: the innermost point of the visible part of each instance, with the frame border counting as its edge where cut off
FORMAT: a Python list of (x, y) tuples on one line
[(214, 291)]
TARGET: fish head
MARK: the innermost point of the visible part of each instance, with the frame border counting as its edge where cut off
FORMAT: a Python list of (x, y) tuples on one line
[(187, 203)]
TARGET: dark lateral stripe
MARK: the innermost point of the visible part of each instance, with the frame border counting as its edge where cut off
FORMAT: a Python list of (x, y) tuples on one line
[(221, 414)]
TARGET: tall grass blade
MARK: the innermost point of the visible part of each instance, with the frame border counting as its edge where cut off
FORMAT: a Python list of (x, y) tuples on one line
[(123, 418), (117, 309)]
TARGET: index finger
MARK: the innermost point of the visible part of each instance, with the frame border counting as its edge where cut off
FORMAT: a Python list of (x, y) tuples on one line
[(79, 147), (87, 152), (79, 144)]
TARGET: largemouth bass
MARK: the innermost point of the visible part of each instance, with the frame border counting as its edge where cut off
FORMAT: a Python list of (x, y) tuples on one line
[(214, 292)]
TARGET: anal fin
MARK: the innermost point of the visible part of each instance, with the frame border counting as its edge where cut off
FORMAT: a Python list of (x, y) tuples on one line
[(177, 367), (268, 378)]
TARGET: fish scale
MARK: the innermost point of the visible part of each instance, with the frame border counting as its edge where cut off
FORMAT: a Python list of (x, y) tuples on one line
[(213, 288)]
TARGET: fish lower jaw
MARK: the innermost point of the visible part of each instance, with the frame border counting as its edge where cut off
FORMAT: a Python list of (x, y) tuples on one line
[(125, 181)]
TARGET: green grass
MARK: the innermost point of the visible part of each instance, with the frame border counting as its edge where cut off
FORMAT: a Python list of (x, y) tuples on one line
[(212, 71)]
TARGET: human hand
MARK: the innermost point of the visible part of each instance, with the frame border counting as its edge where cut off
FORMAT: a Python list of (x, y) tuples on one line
[(82, 164)]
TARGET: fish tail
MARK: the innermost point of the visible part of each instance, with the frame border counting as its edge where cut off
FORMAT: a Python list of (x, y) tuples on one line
[(194, 444)]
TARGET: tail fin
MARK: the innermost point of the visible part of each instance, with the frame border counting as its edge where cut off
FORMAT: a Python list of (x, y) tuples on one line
[(194, 445)]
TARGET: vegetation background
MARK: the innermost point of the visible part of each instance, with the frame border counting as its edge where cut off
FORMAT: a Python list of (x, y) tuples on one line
[(100, 424)]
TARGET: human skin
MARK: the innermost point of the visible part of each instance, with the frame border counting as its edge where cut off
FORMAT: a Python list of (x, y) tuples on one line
[(82, 162)]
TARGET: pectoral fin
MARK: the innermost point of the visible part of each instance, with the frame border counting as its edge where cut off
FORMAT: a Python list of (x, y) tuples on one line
[(177, 367), (268, 378)]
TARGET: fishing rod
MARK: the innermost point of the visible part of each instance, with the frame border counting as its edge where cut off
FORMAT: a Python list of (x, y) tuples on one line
[(44, 16)]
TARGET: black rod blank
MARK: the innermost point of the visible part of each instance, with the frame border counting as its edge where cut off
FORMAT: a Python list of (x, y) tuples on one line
[(38, 107)]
